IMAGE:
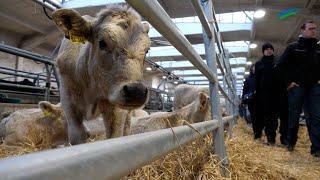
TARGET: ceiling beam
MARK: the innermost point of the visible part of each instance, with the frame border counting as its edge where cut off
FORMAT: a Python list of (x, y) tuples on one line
[(35, 41), (22, 21)]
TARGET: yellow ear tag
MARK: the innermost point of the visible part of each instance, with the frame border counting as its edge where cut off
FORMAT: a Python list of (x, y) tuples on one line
[(47, 113), (75, 38)]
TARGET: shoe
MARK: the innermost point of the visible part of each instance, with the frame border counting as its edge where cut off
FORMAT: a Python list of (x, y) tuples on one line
[(316, 154), (257, 137), (271, 143), (290, 147), (285, 143)]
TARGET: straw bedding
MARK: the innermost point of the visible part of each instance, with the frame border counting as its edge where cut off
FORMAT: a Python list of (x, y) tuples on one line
[(248, 159)]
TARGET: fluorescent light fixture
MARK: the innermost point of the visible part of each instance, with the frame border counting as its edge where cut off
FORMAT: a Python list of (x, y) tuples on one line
[(164, 77), (176, 82), (253, 45), (148, 68), (249, 62), (246, 73), (259, 14)]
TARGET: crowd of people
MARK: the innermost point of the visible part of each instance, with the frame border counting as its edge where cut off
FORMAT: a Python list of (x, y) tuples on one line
[(282, 88)]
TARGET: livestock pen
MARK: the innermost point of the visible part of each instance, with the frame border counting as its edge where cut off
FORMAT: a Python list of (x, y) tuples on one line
[(115, 158)]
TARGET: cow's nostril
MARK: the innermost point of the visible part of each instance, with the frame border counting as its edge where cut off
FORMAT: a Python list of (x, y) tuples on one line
[(125, 88)]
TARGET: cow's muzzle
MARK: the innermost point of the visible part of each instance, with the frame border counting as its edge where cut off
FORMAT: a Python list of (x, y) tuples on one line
[(135, 94)]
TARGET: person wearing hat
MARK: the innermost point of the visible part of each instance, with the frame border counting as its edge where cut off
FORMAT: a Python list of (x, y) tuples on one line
[(300, 65), (266, 94)]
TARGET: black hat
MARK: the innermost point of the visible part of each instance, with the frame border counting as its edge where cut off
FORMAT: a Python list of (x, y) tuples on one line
[(266, 46)]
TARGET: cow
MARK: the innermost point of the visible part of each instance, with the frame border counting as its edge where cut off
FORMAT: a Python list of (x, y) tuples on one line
[(197, 111), (38, 125), (185, 94), (100, 64)]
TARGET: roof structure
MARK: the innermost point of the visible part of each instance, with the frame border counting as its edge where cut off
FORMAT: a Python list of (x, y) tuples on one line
[(25, 21)]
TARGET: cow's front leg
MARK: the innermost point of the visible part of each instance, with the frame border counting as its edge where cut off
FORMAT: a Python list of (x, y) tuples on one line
[(76, 131), (127, 124), (114, 119)]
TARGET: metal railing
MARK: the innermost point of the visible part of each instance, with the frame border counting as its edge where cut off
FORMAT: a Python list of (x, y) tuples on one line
[(108, 159), (153, 12), (47, 61), (115, 158)]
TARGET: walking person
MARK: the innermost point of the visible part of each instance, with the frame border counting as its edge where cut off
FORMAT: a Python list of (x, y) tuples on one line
[(282, 105), (300, 65), (266, 92), (248, 97)]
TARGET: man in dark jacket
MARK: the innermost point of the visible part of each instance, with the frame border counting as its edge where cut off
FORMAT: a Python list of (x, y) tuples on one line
[(266, 92), (248, 97), (300, 65)]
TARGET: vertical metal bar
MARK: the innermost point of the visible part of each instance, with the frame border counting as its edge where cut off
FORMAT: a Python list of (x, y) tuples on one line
[(38, 80), (219, 145), (55, 73), (47, 92)]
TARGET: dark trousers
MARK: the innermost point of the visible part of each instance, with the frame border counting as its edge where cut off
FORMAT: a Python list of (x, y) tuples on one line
[(267, 114), (271, 125), (256, 118), (283, 115), (309, 98)]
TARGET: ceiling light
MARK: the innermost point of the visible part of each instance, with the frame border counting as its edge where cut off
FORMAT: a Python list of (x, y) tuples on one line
[(253, 45), (249, 62), (176, 82), (148, 69), (164, 77), (246, 73), (259, 14)]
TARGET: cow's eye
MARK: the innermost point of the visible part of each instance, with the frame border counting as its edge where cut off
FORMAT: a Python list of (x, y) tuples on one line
[(124, 25), (102, 45)]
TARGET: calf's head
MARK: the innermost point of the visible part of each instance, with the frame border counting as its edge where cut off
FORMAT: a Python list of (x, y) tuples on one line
[(116, 43)]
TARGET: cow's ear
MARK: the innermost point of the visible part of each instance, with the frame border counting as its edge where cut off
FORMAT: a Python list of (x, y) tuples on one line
[(49, 109), (145, 27), (203, 102), (74, 27)]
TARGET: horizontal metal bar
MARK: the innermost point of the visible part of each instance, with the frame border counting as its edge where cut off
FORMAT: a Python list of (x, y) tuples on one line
[(26, 93), (152, 11), (108, 159), (25, 54), (20, 86), (17, 70), (22, 75), (225, 94)]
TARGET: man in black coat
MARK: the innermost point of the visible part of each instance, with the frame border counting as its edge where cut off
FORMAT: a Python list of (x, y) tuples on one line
[(266, 93), (300, 65)]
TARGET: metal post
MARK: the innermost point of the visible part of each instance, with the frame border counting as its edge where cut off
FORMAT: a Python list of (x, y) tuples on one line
[(219, 145), (38, 80), (47, 93)]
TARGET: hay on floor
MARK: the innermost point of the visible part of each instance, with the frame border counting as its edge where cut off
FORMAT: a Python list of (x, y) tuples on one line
[(249, 159)]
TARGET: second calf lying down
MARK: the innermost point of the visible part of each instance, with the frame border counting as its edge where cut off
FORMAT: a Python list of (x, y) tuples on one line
[(198, 111)]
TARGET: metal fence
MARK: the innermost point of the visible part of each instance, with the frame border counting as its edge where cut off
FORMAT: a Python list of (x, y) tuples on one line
[(153, 12), (109, 159), (115, 158), (48, 79)]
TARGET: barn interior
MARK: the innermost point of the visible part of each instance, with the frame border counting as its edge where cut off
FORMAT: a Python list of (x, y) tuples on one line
[(29, 37)]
